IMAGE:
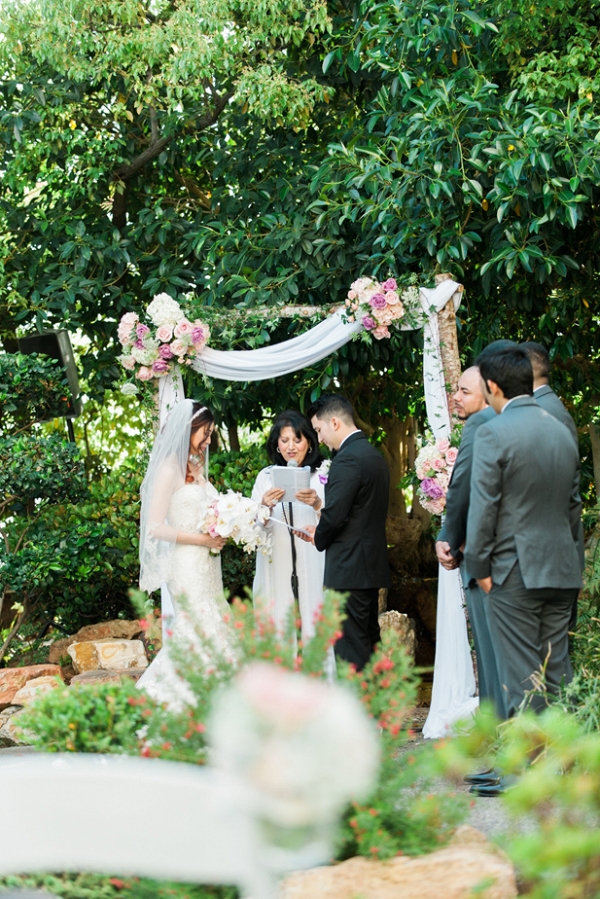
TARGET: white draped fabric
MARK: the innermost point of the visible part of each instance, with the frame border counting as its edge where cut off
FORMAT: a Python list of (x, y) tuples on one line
[(454, 681)]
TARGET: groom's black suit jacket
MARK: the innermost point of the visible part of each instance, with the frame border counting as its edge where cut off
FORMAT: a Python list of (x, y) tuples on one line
[(352, 524)]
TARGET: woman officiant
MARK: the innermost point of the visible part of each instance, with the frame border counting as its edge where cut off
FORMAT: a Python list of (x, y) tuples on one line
[(295, 570)]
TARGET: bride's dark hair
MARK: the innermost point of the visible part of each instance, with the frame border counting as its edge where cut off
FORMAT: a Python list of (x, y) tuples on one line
[(201, 417), (302, 428)]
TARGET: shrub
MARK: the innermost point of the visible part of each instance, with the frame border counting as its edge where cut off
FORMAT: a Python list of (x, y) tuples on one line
[(32, 388)]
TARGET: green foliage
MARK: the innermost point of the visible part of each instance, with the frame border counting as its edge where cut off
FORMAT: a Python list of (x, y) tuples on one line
[(557, 769), (36, 468), (96, 886), (32, 388), (86, 718)]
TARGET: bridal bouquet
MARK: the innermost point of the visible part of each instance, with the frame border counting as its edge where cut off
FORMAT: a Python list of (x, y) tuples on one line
[(239, 519), (379, 305), (151, 352), (433, 467)]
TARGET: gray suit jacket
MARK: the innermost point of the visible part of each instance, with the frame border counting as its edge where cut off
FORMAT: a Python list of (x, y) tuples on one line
[(550, 402), (525, 503), (454, 526)]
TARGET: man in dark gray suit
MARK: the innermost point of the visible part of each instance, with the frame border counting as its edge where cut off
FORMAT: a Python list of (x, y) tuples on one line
[(522, 528), (472, 408), (542, 392)]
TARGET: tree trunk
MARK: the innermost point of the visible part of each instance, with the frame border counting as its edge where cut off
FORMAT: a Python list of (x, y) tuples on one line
[(233, 437), (594, 430), (449, 345), (394, 451)]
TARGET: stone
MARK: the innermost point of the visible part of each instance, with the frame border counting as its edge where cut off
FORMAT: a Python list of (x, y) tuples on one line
[(108, 655), (59, 650), (34, 688), (469, 866), (402, 625), (10, 731), (117, 629), (12, 679), (107, 677)]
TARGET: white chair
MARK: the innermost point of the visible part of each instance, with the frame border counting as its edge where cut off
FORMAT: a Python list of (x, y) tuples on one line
[(128, 816)]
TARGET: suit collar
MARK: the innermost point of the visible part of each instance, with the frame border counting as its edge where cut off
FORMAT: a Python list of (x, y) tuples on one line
[(352, 438), (517, 402), (544, 390)]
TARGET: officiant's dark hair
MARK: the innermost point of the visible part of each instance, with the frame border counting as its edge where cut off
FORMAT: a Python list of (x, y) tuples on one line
[(302, 428), (332, 404), (510, 369)]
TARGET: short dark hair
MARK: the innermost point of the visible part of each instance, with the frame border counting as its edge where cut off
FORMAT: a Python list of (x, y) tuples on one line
[(332, 404), (493, 347), (302, 428), (510, 369), (539, 357)]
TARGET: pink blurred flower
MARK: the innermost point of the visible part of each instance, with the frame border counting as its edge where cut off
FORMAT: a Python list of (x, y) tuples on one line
[(451, 455), (384, 316), (390, 284), (178, 347), (392, 298), (377, 301), (164, 333), (198, 334), (438, 464), (160, 367), (142, 330), (437, 506), (139, 345), (144, 373), (165, 352), (183, 328), (443, 445), (126, 326), (128, 362), (352, 294), (368, 323), (381, 332)]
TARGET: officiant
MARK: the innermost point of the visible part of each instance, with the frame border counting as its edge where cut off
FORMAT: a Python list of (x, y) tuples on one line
[(291, 581)]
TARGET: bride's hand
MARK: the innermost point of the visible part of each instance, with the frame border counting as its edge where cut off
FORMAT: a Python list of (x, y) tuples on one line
[(216, 543), (310, 498)]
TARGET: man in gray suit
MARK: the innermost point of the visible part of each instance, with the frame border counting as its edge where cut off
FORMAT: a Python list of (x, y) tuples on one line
[(522, 528), (472, 408), (542, 392)]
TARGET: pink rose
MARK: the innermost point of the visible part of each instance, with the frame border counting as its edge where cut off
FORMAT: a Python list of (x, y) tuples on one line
[(437, 506), (438, 464), (128, 362), (368, 323), (392, 298), (126, 326), (164, 333), (183, 328), (390, 284), (164, 352), (377, 301), (397, 311), (443, 445), (384, 316), (139, 345), (451, 455), (381, 332), (178, 347), (141, 331), (160, 367), (198, 334), (352, 294), (144, 373)]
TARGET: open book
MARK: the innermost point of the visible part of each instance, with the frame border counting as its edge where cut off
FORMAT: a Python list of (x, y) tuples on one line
[(291, 480)]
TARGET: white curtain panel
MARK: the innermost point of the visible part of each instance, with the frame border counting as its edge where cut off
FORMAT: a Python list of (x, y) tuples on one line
[(453, 681)]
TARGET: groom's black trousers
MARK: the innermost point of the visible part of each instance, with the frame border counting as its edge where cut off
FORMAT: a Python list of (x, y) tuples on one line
[(360, 630)]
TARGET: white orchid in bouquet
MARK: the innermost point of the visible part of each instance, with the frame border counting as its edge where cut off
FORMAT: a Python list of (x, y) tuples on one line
[(237, 518), (433, 467), (151, 352), (380, 305)]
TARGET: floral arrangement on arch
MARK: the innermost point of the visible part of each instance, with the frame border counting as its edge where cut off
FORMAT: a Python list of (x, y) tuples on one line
[(433, 467), (379, 305), (239, 519), (151, 352)]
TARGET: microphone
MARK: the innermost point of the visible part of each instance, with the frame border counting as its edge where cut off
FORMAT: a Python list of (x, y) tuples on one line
[(292, 464)]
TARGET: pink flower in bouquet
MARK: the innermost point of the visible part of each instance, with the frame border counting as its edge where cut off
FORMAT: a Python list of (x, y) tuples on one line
[(390, 284), (165, 351), (178, 347), (432, 489), (126, 326), (141, 331), (160, 367), (437, 506), (438, 464), (128, 362), (144, 373), (451, 455), (381, 332), (164, 333), (443, 445), (377, 301), (384, 316), (368, 323), (352, 294), (392, 298), (277, 696), (139, 344), (183, 328), (198, 334)]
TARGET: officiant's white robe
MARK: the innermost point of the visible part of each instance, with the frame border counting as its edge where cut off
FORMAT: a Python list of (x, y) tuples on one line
[(273, 579)]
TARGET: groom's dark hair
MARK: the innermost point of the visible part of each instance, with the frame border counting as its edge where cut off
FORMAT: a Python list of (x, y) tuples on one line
[(330, 405), (510, 369)]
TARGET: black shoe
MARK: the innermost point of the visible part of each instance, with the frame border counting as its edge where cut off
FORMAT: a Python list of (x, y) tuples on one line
[(490, 776), (488, 789)]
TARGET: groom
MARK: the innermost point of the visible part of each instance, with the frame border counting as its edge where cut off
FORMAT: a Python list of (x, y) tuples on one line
[(352, 525)]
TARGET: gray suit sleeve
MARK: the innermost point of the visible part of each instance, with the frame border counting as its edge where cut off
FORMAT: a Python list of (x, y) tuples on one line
[(575, 517), (486, 493), (454, 528)]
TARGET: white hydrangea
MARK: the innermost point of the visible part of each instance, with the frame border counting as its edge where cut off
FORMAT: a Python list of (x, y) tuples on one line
[(129, 389), (164, 310), (144, 356)]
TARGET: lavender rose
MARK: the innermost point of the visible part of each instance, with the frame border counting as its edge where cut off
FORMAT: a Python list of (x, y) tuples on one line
[(165, 352), (160, 367), (390, 284), (368, 323), (431, 487), (198, 335), (378, 301), (142, 330)]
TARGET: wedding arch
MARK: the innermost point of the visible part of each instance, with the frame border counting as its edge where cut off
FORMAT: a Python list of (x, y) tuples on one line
[(454, 682)]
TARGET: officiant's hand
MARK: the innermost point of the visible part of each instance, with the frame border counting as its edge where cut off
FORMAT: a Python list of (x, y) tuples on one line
[(310, 498), (272, 497), (311, 528)]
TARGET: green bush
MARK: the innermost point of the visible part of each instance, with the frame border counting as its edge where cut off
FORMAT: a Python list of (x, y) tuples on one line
[(32, 388), (97, 886)]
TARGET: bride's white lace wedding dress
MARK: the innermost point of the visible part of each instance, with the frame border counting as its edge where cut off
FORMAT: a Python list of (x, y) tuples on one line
[(196, 575)]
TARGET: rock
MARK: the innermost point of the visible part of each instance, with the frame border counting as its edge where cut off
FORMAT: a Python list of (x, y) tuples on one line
[(108, 655), (403, 626), (12, 679), (107, 677), (34, 688), (117, 629), (469, 866), (10, 731), (58, 650)]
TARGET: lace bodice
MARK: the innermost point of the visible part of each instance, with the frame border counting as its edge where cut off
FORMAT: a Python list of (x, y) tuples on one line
[(186, 505)]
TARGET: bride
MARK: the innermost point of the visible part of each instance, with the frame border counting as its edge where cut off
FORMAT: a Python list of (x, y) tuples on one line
[(172, 549)]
